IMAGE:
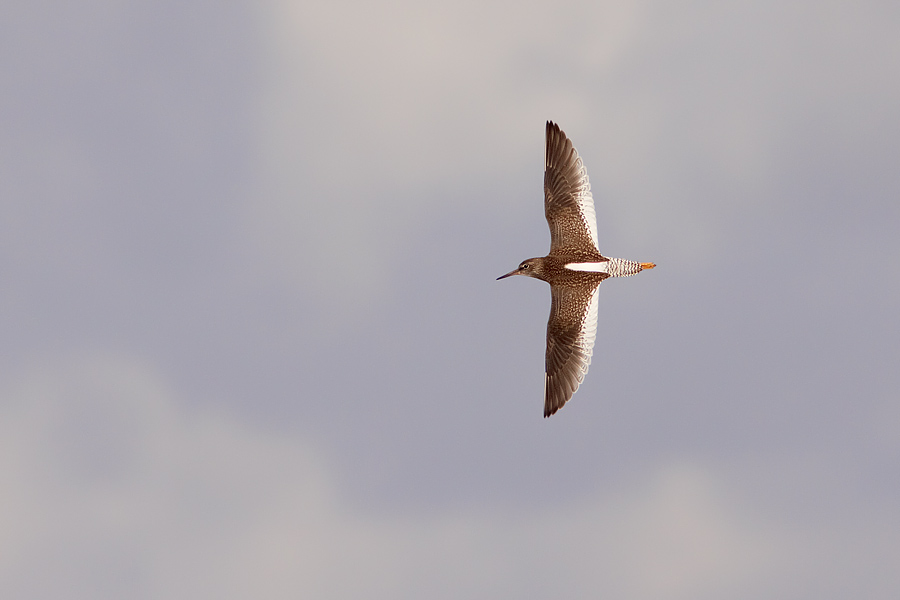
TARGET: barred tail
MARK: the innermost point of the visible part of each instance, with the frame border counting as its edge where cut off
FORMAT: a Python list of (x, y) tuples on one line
[(619, 267)]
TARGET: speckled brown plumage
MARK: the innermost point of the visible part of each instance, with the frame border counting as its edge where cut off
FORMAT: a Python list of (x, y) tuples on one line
[(572, 327), (568, 204)]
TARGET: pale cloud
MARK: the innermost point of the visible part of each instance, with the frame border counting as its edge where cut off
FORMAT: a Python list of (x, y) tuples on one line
[(371, 115), (117, 490)]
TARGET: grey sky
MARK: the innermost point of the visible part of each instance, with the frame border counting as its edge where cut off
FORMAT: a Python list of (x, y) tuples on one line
[(253, 345)]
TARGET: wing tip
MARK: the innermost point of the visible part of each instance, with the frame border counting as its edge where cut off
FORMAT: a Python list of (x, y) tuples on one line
[(553, 130), (553, 401), (551, 408), (558, 148)]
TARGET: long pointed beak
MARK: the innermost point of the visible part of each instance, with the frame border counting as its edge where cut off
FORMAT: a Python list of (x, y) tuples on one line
[(513, 272)]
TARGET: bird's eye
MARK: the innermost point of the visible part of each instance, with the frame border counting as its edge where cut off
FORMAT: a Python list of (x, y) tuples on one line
[(524, 266)]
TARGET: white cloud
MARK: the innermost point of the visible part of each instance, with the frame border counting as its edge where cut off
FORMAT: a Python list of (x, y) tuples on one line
[(117, 490)]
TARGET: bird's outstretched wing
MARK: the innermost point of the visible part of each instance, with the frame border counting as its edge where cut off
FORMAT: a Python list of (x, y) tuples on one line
[(568, 204), (570, 341)]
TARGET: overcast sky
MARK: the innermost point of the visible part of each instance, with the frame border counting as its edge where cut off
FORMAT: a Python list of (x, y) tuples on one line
[(253, 345)]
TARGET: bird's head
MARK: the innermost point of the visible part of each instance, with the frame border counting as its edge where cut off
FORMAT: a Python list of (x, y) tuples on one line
[(533, 267)]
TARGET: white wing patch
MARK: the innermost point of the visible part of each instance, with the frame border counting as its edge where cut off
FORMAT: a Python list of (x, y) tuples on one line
[(590, 267)]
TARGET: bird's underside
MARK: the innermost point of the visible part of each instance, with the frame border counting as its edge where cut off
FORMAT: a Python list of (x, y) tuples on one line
[(574, 269)]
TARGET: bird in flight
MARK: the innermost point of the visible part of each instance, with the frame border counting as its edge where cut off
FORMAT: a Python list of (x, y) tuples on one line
[(574, 268)]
